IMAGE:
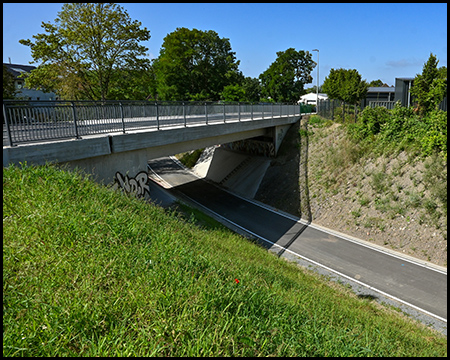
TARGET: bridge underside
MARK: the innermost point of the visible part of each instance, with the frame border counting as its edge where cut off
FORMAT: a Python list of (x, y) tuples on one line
[(105, 167), (126, 155)]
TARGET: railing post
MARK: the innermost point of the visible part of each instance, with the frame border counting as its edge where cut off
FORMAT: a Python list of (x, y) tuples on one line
[(157, 116), (239, 111), (272, 110), (74, 113), (184, 114), (206, 114), (8, 130), (224, 113), (263, 111), (252, 111), (121, 115)]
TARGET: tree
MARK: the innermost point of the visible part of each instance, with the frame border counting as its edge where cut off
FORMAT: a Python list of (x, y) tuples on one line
[(378, 83), (430, 87), (233, 93), (82, 51), (195, 65), (9, 90), (313, 90), (133, 85), (252, 88), (346, 86), (285, 78), (355, 89)]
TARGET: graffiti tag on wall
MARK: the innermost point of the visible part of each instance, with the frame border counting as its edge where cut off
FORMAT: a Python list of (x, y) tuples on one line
[(137, 185)]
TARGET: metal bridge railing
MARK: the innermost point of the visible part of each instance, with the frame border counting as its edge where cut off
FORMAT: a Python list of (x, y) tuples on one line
[(27, 121)]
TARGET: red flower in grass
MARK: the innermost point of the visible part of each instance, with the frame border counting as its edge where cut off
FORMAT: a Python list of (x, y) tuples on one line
[(237, 281)]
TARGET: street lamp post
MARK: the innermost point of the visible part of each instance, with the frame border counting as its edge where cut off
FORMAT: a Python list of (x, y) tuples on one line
[(317, 89)]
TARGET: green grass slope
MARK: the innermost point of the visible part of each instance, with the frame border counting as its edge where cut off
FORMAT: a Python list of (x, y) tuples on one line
[(91, 272)]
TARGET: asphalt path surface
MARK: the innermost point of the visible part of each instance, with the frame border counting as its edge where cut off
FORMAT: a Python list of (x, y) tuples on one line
[(415, 284)]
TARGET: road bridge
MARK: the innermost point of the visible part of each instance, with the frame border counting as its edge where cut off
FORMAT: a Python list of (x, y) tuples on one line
[(114, 141)]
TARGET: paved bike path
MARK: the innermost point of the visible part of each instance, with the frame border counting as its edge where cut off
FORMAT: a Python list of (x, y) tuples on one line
[(400, 278)]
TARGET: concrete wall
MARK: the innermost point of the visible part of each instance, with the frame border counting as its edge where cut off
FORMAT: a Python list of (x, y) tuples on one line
[(105, 167)]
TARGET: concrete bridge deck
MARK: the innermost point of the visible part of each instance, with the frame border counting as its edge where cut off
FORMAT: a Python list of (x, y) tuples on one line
[(113, 151)]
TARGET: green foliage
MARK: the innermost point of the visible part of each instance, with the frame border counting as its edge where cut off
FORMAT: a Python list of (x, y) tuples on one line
[(252, 88), (402, 127), (195, 65), (318, 121), (83, 50), (313, 89), (376, 83), (369, 122), (9, 90), (348, 117), (306, 108), (233, 93), (434, 139), (285, 78), (430, 87), (189, 159), (89, 272), (345, 85), (133, 85), (435, 178)]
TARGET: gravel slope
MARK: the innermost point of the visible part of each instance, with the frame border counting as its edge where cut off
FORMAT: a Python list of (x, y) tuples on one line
[(380, 200)]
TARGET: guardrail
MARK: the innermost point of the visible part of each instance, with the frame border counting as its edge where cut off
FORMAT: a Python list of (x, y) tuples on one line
[(27, 121)]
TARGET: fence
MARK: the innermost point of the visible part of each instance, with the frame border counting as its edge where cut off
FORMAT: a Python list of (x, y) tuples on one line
[(327, 107), (390, 104), (387, 104), (29, 121)]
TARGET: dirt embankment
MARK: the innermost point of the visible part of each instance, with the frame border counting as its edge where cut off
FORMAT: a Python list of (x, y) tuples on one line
[(389, 201)]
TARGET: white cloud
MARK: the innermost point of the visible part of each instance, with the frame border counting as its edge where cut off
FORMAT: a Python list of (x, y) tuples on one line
[(404, 63)]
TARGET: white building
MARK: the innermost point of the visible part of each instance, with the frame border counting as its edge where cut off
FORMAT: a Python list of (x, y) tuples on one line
[(311, 98)]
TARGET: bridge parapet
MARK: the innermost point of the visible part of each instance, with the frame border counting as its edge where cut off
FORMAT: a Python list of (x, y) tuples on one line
[(29, 121), (105, 154)]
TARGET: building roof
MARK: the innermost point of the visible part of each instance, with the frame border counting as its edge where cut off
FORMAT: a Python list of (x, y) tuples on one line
[(17, 69), (313, 96), (380, 89)]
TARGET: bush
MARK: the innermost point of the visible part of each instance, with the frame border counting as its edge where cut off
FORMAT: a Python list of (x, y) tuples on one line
[(435, 136), (349, 114), (317, 121), (402, 128), (189, 159), (369, 123)]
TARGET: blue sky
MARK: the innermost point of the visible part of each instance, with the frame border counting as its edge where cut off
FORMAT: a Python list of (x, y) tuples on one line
[(380, 40)]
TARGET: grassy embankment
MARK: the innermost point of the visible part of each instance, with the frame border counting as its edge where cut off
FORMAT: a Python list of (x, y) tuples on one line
[(90, 272)]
